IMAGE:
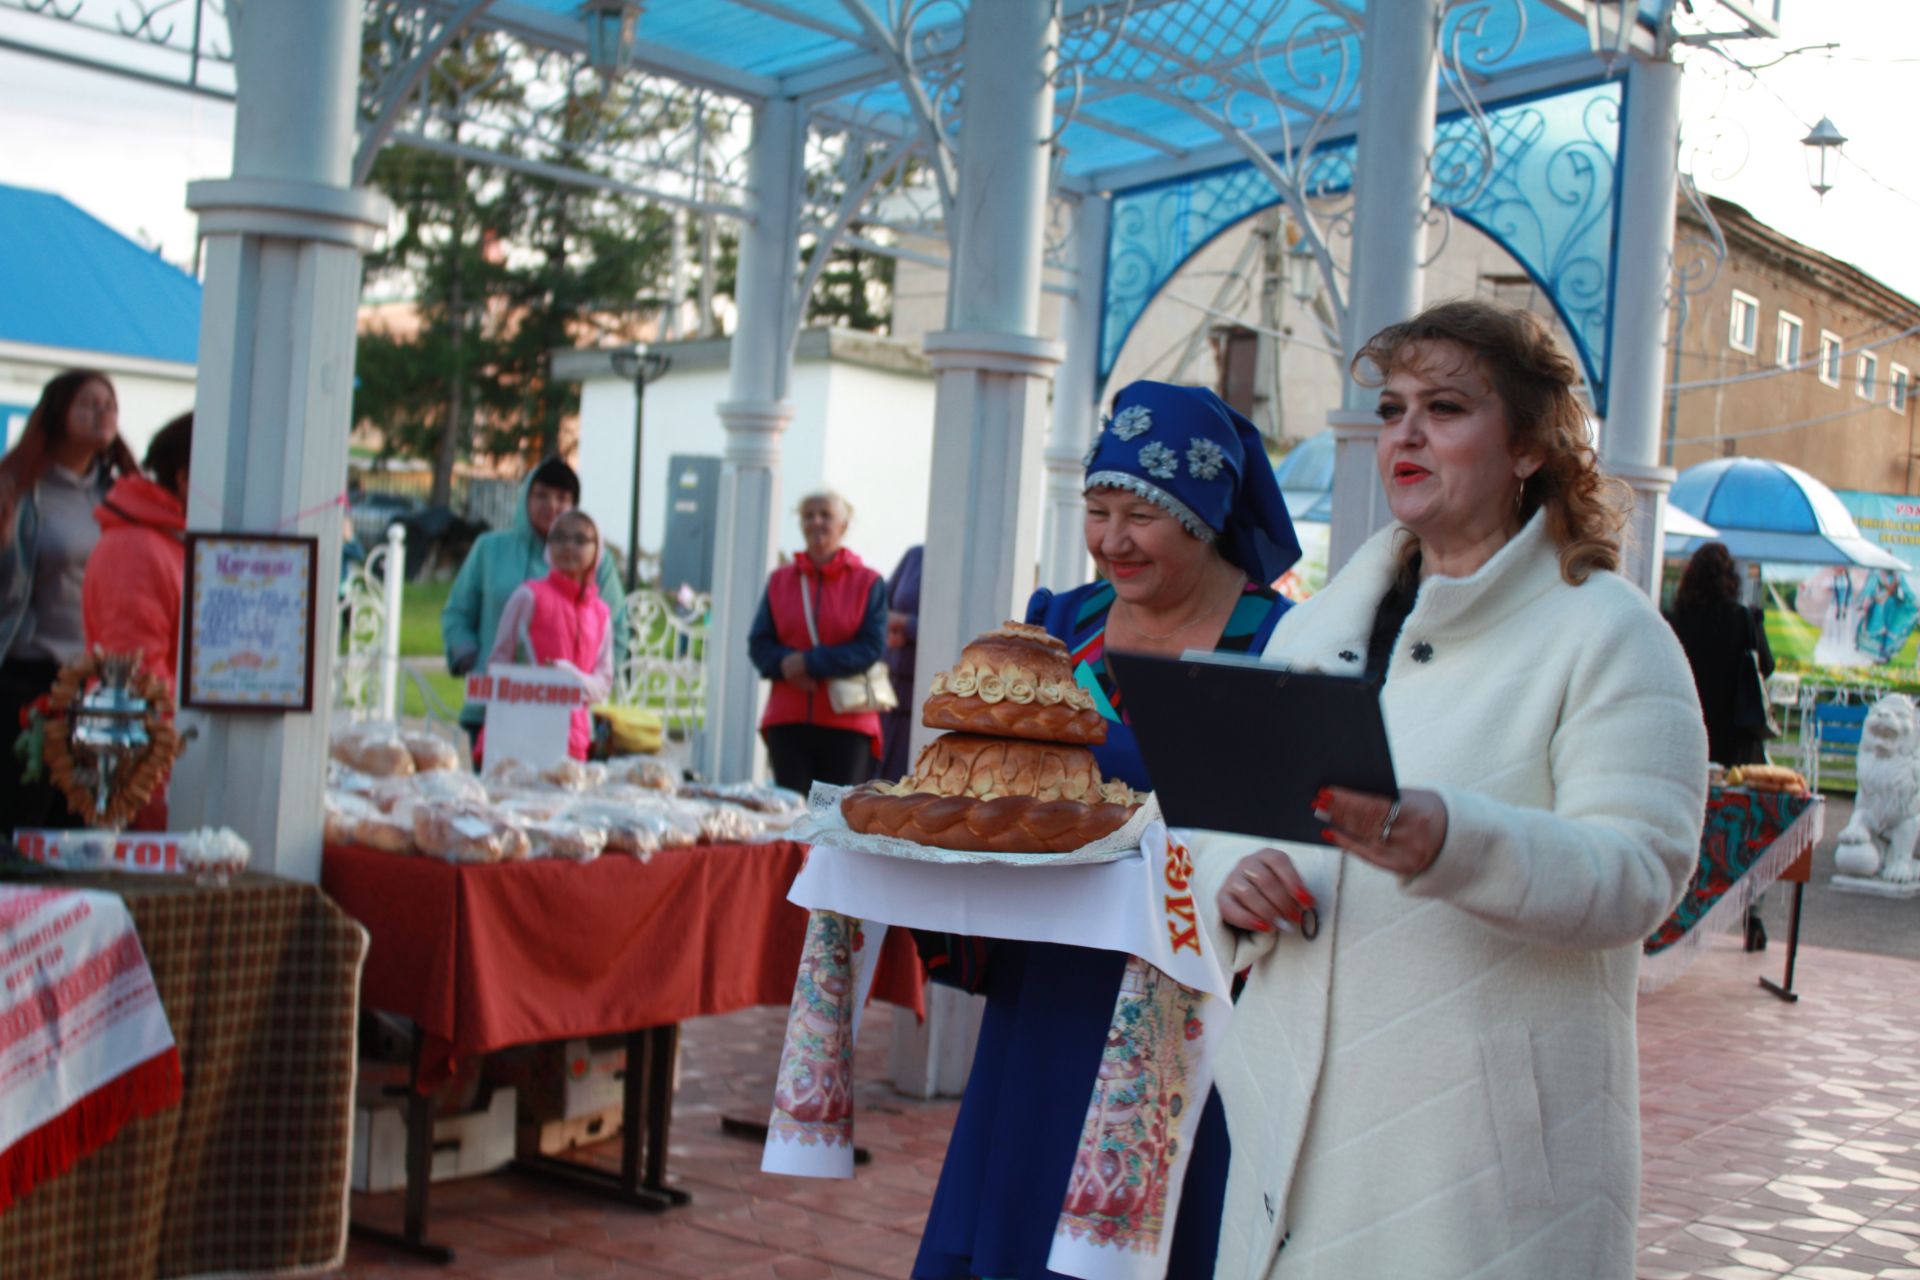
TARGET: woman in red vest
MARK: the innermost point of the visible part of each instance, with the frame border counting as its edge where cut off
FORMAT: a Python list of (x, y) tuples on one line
[(561, 621), (807, 740)]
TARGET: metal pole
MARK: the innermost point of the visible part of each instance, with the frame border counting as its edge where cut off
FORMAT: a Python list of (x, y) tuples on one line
[(633, 507), (394, 581)]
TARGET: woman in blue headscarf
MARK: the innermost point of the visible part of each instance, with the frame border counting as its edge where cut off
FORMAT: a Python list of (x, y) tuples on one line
[(1187, 530)]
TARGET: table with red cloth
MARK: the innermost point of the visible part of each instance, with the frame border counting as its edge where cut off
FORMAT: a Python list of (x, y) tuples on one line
[(248, 1175), (481, 957), (1748, 840)]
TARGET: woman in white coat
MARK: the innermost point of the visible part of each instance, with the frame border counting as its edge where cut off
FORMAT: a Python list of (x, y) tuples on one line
[(1443, 1081)]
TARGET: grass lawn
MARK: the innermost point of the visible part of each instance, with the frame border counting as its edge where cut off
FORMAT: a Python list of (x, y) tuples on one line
[(420, 618)]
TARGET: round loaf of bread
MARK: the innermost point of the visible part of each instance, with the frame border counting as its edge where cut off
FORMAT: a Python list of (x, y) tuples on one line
[(1011, 824), (1015, 681), (961, 764)]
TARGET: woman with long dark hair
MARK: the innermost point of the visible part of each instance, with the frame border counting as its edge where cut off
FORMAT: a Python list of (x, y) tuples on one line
[(50, 482), (1717, 631)]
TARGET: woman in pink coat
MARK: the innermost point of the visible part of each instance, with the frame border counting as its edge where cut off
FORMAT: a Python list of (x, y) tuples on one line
[(561, 621)]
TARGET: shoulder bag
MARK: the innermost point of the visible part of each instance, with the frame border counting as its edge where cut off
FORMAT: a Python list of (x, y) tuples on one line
[(1752, 713), (871, 690)]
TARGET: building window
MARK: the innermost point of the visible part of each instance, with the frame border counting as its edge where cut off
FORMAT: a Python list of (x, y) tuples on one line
[(1743, 330), (1830, 358), (1899, 387), (1869, 375), (1786, 340)]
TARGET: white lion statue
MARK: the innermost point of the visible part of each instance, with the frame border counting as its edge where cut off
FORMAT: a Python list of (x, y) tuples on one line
[(1879, 839)]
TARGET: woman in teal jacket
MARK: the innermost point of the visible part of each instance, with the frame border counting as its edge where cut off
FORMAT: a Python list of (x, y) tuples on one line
[(499, 562)]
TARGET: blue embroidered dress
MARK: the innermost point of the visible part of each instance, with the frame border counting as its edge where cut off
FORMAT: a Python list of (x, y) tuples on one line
[(1048, 1010)]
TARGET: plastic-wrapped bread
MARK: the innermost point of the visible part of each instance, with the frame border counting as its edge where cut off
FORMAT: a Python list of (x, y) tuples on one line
[(373, 747), (532, 804), (356, 820), (462, 831), (342, 778), (390, 793), (643, 771), (724, 823), (430, 751), (575, 775), (507, 774), (563, 838), (748, 795), (629, 829)]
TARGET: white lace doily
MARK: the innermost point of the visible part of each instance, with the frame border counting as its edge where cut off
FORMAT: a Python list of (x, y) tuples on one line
[(824, 825)]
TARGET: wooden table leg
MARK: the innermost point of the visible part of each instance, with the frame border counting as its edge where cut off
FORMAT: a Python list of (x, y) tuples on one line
[(1785, 990)]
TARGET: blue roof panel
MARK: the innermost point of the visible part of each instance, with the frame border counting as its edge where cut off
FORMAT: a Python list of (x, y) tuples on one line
[(69, 280)]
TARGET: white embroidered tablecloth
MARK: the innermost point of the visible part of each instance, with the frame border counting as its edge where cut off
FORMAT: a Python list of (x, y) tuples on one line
[(84, 1044), (1118, 1209)]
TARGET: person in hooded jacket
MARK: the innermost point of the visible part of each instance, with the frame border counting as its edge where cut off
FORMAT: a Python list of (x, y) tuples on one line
[(499, 562), (130, 598), (561, 621)]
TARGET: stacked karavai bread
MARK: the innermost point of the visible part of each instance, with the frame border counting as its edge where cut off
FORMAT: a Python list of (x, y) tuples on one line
[(1016, 775)]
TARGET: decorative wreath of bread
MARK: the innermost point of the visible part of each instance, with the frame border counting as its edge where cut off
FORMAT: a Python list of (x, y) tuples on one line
[(1015, 682), (135, 775), (1010, 824), (1021, 782)]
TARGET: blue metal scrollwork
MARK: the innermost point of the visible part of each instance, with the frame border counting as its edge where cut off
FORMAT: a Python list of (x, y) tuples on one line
[(1549, 202)]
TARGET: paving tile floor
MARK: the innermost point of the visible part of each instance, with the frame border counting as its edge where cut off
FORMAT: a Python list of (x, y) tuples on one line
[(1779, 1140)]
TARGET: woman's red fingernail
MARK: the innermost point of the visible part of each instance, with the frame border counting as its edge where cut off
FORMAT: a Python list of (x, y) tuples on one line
[(1263, 926), (1304, 898), (1323, 799), (1327, 834)]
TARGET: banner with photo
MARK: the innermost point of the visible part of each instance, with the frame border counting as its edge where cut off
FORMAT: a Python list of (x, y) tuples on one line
[(1839, 617)]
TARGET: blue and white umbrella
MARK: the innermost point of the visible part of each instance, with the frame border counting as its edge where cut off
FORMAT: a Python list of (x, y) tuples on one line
[(1771, 512)]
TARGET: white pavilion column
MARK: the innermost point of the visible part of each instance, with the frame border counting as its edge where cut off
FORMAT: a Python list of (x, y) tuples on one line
[(284, 237), (990, 413), (1637, 336), (1390, 182), (760, 368), (1063, 546)]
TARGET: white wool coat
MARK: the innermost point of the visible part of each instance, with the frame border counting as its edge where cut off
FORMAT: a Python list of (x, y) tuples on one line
[(1444, 1083)]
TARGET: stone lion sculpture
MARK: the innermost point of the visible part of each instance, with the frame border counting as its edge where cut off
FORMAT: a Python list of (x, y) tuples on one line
[(1879, 839)]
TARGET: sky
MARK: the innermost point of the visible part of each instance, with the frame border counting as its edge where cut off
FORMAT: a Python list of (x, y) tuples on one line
[(125, 151)]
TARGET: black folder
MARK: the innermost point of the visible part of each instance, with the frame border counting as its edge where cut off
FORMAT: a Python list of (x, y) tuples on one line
[(1235, 744)]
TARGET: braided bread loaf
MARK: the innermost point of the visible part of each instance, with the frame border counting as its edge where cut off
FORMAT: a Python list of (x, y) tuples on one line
[(1011, 824), (1057, 723)]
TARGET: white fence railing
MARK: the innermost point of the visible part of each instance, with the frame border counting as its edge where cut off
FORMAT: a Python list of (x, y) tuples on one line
[(665, 668)]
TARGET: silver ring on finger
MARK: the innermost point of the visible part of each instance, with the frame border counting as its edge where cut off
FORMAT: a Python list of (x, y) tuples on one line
[(1386, 828)]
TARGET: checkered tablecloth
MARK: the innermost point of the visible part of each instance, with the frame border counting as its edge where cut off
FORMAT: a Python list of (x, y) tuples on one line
[(260, 981)]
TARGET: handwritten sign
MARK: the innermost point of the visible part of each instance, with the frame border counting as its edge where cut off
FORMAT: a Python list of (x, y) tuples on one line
[(250, 622), (529, 710)]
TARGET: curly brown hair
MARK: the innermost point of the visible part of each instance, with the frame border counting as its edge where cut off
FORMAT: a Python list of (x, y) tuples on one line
[(1534, 378)]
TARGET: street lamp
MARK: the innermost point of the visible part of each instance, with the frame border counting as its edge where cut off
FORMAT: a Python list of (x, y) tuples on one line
[(610, 25), (1610, 25), (1303, 269), (643, 366), (1823, 139)]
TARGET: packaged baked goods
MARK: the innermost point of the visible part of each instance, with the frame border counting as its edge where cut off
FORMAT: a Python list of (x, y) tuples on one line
[(729, 824), (533, 804), (218, 852), (562, 838), (389, 793), (462, 831), (356, 820), (628, 829), (643, 771), (342, 778), (430, 751), (373, 747), (507, 773), (575, 775), (756, 796)]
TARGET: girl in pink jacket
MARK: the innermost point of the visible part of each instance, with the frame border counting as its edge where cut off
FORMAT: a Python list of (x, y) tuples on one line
[(561, 621)]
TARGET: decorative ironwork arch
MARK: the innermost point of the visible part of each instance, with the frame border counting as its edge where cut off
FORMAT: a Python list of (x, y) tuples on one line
[(1548, 201)]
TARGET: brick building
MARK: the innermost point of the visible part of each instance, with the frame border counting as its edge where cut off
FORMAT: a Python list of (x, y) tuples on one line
[(1794, 355)]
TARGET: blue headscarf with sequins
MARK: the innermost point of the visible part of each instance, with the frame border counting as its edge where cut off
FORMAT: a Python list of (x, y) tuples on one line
[(1184, 449)]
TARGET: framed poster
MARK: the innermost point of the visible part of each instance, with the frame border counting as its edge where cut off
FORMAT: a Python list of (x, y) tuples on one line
[(250, 608)]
